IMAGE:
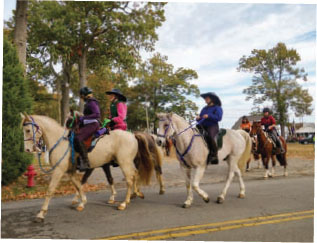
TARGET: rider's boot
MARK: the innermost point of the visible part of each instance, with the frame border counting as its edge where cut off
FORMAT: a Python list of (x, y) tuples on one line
[(84, 162), (213, 151), (280, 146)]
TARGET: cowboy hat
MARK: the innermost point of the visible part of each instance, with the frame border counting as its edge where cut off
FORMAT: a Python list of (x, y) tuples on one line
[(215, 99), (118, 93)]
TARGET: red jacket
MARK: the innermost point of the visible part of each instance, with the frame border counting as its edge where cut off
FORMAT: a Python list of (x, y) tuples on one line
[(266, 122)]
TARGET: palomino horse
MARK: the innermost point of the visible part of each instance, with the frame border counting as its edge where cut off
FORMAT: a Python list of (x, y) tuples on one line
[(156, 156), (192, 153), (124, 147), (266, 149)]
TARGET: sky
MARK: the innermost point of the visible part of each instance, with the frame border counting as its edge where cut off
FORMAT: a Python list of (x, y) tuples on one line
[(211, 38)]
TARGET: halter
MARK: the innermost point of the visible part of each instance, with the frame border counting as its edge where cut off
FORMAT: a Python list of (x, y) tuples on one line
[(181, 155)]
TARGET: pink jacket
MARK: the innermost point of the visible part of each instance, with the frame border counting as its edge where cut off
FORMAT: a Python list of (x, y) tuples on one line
[(120, 119)]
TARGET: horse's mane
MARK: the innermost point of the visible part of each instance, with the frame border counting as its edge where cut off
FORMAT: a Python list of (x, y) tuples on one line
[(48, 119)]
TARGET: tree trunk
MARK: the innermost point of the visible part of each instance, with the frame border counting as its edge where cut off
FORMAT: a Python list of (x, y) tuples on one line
[(65, 92), (282, 130), (82, 68), (20, 32)]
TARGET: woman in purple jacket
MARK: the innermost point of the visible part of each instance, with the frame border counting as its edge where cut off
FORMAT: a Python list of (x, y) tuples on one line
[(212, 113), (89, 124)]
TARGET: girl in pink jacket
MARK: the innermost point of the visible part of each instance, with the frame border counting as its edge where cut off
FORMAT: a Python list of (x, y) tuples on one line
[(118, 110)]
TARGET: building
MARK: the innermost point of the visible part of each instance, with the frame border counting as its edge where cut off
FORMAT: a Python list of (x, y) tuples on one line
[(307, 130)]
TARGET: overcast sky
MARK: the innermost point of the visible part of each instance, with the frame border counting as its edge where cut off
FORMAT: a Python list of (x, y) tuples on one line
[(211, 38)]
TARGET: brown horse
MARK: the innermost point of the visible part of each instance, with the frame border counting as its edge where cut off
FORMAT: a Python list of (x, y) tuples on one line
[(168, 146), (255, 154), (267, 150)]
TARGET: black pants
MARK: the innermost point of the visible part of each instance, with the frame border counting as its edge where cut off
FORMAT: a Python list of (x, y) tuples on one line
[(275, 137), (212, 132)]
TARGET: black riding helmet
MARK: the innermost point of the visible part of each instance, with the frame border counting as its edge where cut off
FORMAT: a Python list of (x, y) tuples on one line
[(266, 110), (84, 91)]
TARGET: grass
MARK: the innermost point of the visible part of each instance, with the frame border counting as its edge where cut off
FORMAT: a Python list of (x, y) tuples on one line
[(296, 150)]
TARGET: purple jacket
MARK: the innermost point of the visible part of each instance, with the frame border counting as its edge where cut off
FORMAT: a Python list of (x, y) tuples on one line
[(91, 110)]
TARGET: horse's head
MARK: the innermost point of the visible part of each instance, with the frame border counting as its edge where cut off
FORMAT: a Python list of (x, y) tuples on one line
[(166, 129), (72, 120), (32, 134), (255, 128)]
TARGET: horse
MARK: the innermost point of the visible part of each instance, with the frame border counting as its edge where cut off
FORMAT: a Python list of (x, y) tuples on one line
[(126, 148), (157, 160), (266, 149), (192, 153)]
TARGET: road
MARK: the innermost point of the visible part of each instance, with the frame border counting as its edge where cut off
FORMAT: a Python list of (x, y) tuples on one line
[(276, 209)]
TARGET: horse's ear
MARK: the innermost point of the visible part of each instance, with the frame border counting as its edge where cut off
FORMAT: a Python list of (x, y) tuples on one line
[(169, 115), (22, 116), (26, 116), (71, 112)]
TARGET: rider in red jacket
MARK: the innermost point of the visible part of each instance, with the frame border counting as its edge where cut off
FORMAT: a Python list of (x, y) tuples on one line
[(269, 124)]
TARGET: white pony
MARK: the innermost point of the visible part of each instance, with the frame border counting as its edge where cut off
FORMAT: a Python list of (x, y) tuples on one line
[(193, 151), (124, 147)]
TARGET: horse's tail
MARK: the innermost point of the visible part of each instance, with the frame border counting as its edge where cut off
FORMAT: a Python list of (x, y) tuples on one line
[(246, 155), (143, 160), (158, 158), (282, 157)]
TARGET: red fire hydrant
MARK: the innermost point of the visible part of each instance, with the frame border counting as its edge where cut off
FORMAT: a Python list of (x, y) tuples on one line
[(30, 174)]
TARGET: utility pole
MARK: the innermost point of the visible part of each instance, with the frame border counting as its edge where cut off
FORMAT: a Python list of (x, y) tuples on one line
[(147, 116)]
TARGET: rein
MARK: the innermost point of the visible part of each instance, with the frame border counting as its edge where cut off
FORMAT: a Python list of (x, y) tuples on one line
[(181, 155)]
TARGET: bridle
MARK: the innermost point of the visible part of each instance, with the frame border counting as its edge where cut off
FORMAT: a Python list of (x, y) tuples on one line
[(173, 137), (38, 144)]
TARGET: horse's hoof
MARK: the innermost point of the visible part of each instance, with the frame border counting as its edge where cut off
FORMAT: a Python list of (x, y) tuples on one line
[(220, 200), (242, 196), (80, 208), (162, 192), (286, 174), (110, 201), (141, 195), (121, 207), (134, 195), (186, 205), (206, 199), (74, 202), (38, 220)]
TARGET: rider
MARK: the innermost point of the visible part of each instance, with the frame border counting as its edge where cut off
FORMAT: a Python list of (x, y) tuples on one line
[(118, 110), (89, 124), (269, 124), (212, 113), (245, 125)]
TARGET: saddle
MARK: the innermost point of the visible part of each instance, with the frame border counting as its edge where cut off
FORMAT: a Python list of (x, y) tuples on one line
[(91, 142), (218, 139)]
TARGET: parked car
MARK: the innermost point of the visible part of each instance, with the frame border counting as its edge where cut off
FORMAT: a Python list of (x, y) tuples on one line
[(307, 140)]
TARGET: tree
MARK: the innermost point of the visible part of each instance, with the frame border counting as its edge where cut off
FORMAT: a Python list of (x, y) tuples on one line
[(164, 89), (93, 35), (275, 79), (20, 31), (16, 99)]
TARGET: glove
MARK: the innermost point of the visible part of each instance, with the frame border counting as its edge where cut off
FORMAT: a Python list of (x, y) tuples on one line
[(112, 123)]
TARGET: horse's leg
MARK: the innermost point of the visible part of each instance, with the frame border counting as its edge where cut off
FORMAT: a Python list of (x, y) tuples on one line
[(83, 181), (160, 180), (189, 200), (56, 177), (230, 176), (273, 166), (242, 186), (248, 165), (107, 171), (266, 166), (79, 192), (136, 187), (199, 173), (129, 173)]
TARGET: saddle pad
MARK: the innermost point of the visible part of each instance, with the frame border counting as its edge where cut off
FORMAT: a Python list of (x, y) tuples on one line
[(220, 135)]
